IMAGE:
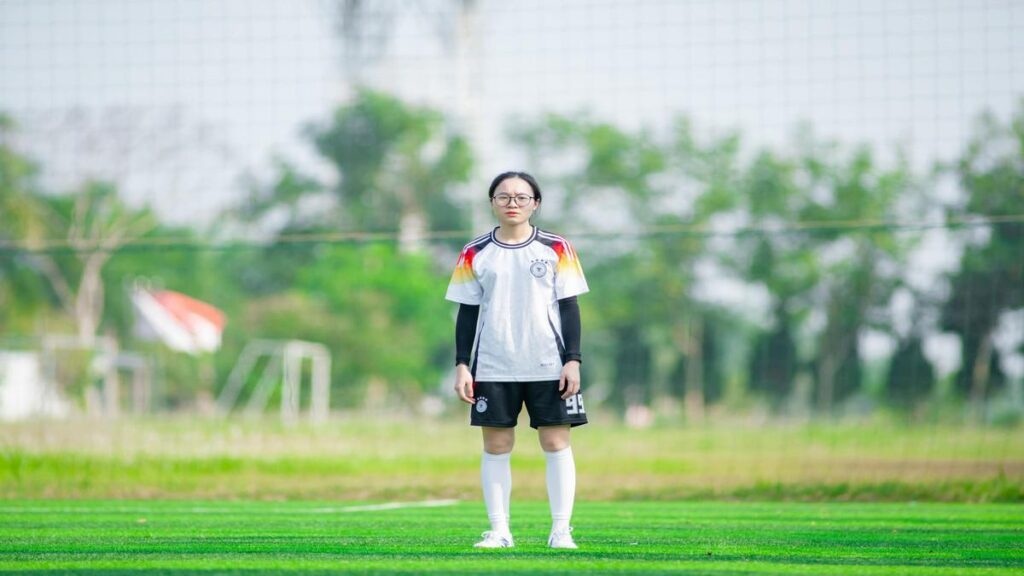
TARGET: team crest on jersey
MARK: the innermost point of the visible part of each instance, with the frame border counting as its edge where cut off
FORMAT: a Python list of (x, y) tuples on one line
[(538, 268), (481, 404)]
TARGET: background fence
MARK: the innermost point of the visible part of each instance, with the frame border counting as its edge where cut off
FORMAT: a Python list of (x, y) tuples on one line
[(787, 211)]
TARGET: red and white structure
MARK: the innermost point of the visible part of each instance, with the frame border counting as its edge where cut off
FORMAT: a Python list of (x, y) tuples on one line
[(182, 323)]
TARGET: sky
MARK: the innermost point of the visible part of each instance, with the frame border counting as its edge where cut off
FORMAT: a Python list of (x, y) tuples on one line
[(228, 85)]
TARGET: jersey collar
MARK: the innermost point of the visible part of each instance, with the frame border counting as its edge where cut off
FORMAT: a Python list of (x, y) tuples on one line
[(494, 238)]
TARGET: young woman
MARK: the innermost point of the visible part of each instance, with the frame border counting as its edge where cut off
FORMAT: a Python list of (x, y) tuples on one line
[(517, 341)]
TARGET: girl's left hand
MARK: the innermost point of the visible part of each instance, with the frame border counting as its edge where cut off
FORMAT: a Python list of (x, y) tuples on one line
[(569, 381)]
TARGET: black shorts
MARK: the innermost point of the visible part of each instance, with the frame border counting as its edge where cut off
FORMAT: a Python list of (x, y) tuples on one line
[(498, 404)]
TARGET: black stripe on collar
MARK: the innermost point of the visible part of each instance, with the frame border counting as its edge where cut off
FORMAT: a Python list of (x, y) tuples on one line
[(494, 238)]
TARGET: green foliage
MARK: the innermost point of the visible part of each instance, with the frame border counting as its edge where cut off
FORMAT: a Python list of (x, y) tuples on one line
[(390, 320), (22, 292), (379, 310), (991, 272), (773, 365), (381, 313), (394, 160), (647, 289), (596, 172), (24, 297), (397, 167), (606, 164), (19, 218), (775, 222), (850, 276), (911, 378)]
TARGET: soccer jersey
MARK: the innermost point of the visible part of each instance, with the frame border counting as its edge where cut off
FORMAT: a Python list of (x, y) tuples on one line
[(517, 286)]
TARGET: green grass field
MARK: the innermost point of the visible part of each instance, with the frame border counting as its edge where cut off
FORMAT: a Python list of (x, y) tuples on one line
[(186, 494), (174, 537), (364, 458)]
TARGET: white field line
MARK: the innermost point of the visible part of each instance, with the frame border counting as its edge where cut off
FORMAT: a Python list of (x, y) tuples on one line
[(388, 506), (213, 510)]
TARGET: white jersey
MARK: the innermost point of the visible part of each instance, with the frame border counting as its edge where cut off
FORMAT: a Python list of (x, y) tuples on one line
[(517, 286)]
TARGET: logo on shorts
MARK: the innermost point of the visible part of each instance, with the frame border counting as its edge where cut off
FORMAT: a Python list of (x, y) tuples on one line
[(481, 404), (539, 268)]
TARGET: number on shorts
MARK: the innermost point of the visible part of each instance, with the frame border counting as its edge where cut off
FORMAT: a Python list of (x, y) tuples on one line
[(574, 404)]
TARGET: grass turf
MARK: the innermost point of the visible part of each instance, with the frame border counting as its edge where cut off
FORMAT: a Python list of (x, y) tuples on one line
[(361, 458), (248, 537)]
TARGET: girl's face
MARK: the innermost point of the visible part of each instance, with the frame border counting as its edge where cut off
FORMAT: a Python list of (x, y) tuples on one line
[(513, 202)]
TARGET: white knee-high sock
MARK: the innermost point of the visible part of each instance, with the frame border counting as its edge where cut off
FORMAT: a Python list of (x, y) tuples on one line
[(496, 480), (561, 477)]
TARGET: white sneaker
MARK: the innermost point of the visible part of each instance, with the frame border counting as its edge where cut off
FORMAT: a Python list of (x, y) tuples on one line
[(562, 539), (494, 539)]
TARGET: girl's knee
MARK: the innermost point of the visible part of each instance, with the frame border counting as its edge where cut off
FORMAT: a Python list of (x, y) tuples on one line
[(499, 440), (553, 438)]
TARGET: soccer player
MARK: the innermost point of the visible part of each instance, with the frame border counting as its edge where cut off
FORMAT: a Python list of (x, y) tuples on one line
[(517, 339)]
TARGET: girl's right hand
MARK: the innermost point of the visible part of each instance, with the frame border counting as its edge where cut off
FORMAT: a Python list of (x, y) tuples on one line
[(464, 384)]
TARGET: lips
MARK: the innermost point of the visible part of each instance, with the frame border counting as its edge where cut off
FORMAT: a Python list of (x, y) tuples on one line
[(511, 213)]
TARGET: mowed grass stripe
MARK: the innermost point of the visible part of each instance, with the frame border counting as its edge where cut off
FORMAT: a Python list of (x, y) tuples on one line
[(364, 459), (107, 507), (643, 537), (63, 475)]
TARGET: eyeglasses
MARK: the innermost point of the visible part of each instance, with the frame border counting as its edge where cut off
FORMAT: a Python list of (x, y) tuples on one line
[(521, 200)]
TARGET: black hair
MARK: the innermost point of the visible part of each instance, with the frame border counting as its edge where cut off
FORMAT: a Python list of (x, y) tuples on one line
[(522, 176)]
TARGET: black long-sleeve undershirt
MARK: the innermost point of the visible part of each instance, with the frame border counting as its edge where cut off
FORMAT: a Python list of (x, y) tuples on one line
[(568, 311), (465, 332)]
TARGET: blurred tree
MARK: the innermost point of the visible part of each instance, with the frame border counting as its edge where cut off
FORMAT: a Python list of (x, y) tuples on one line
[(784, 263), (396, 166), (837, 277), (774, 363), (293, 203), (596, 168), (168, 260), (22, 292), (599, 177), (91, 224), (388, 322), (607, 179), (67, 240), (706, 177), (728, 194), (911, 380), (862, 267), (73, 256), (990, 280), (911, 376), (700, 187)]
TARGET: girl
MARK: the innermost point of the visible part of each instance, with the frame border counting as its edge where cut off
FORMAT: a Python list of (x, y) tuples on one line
[(517, 341)]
